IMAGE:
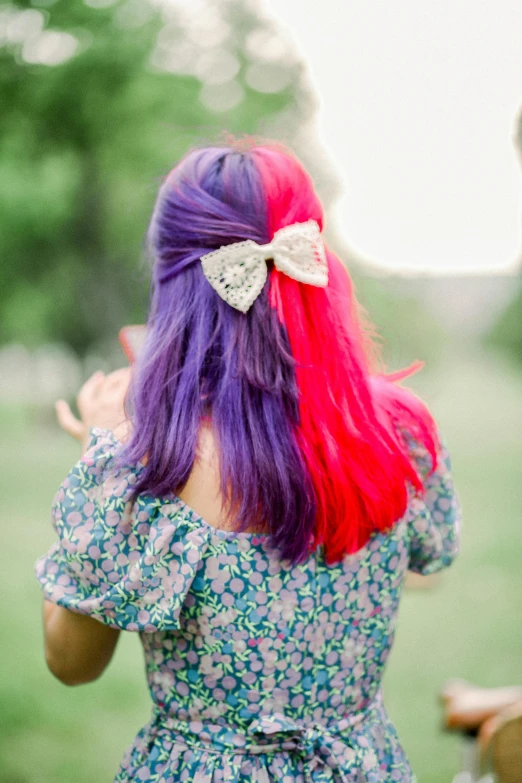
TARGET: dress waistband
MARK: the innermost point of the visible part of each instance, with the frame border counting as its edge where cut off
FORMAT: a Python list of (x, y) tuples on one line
[(329, 746)]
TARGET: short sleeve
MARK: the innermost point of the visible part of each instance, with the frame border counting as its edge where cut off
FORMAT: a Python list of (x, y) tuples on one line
[(434, 518), (128, 562)]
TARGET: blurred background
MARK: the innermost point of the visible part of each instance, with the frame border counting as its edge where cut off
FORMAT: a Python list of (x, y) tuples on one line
[(408, 119)]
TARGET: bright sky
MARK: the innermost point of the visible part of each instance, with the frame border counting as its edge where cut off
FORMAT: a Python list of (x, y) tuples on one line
[(419, 102)]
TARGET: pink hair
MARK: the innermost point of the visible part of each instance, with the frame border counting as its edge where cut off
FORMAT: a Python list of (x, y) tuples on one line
[(352, 419)]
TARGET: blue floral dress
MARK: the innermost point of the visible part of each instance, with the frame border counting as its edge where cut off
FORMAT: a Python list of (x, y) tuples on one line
[(259, 671)]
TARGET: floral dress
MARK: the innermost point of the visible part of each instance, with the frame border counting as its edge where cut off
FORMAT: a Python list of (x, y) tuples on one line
[(259, 670)]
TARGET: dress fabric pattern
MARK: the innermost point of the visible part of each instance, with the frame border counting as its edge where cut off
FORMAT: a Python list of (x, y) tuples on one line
[(259, 671)]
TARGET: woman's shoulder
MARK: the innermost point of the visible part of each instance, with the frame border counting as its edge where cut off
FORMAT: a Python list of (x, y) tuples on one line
[(126, 559)]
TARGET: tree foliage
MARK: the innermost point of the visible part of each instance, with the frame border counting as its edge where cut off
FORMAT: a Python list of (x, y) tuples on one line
[(85, 142)]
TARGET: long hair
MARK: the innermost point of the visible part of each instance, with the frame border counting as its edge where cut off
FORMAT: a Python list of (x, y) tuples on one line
[(310, 438)]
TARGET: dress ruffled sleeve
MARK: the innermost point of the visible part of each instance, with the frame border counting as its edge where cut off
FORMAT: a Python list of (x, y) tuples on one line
[(127, 562), (434, 519)]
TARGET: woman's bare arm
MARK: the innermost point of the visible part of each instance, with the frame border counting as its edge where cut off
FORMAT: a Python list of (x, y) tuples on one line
[(77, 648)]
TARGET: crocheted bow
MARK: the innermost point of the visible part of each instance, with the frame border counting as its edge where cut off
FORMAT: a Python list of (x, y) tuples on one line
[(238, 272)]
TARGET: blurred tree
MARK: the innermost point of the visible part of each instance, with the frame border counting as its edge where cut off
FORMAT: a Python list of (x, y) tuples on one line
[(99, 100)]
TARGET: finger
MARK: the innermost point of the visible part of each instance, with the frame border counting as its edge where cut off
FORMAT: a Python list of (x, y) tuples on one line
[(68, 421), (487, 731), (119, 378), (91, 386)]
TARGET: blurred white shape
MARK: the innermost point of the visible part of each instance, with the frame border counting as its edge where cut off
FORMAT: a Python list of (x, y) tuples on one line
[(57, 373), (201, 21), (15, 372), (270, 46), (39, 46), (39, 377), (168, 37), (217, 66), (21, 25), (191, 28), (133, 14), (51, 47), (267, 77), (221, 97), (182, 7), (5, 18), (173, 56), (281, 126), (207, 29)]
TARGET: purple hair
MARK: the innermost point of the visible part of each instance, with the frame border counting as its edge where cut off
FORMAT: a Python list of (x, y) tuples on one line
[(204, 358)]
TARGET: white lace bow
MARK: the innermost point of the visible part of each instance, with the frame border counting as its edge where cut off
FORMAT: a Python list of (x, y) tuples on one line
[(238, 272)]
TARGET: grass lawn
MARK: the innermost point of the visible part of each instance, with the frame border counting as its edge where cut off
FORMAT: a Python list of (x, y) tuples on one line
[(468, 625)]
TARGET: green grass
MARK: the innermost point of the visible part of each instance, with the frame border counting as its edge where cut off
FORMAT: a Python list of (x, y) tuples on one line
[(469, 625), (50, 733)]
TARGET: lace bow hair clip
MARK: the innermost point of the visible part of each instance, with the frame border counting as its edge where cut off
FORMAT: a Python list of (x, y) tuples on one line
[(238, 272)]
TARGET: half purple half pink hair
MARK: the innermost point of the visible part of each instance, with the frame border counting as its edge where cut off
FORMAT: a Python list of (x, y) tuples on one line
[(309, 436)]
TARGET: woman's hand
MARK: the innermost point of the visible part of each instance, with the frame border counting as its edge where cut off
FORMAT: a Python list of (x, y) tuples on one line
[(100, 404)]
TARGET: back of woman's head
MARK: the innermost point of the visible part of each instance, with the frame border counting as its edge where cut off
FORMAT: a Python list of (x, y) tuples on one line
[(309, 441)]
